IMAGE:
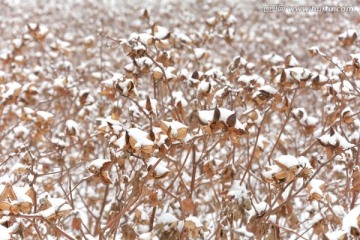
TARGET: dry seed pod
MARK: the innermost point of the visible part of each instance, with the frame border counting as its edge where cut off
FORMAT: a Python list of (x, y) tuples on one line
[(204, 87), (315, 189), (4, 206), (44, 118), (53, 208), (348, 37), (211, 21), (346, 115), (287, 162), (15, 208), (98, 165), (194, 226), (291, 61), (269, 174), (8, 192), (231, 120), (25, 207), (139, 141), (174, 129), (157, 73), (160, 170)]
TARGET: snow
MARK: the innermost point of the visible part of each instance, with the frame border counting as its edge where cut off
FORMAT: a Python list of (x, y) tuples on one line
[(89, 237), (161, 33), (204, 87), (46, 116), (182, 37), (12, 89), (316, 219), (18, 168), (304, 162), (199, 52), (32, 26), (259, 209), (175, 126), (57, 208), (144, 38), (315, 50), (124, 85), (339, 210), (60, 82), (166, 218), (268, 89), (311, 121), (157, 72), (140, 48), (248, 80), (287, 160), (169, 73), (347, 112), (211, 20), (59, 142), (120, 142), (264, 89), (21, 131), (160, 169), (244, 232), (273, 58), (113, 80), (148, 236), (153, 104), (71, 125), (292, 61), (298, 73), (270, 171), (161, 139), (355, 56), (238, 191), (140, 137), (316, 185), (207, 117), (98, 163), (335, 140), (194, 220), (89, 39), (179, 99), (351, 220), (214, 72), (4, 233), (19, 58), (335, 235), (144, 62), (97, 75), (220, 92), (348, 33)]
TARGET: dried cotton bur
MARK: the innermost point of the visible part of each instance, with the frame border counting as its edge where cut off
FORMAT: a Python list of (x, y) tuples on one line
[(237, 201), (194, 227), (221, 119), (286, 168), (178, 121), (99, 168), (16, 199), (53, 208)]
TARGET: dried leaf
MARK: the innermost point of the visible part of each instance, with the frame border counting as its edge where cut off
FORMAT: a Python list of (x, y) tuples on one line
[(76, 223), (187, 206)]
